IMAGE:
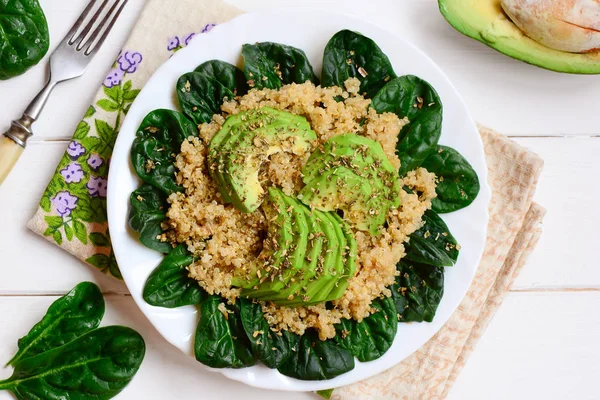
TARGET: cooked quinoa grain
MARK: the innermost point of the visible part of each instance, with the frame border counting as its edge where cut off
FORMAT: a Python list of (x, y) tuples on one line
[(223, 239)]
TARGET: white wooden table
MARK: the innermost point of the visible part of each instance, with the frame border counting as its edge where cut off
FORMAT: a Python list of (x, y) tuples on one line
[(544, 341)]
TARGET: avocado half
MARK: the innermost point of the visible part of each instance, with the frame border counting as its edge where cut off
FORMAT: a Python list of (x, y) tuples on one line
[(484, 20)]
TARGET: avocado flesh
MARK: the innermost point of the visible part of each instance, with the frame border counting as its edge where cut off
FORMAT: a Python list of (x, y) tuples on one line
[(485, 21), (350, 264), (279, 238), (293, 263), (294, 290), (326, 261), (245, 141), (352, 173)]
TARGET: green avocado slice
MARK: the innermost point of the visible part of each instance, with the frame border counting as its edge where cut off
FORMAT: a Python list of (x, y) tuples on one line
[(485, 21), (350, 264), (293, 261)]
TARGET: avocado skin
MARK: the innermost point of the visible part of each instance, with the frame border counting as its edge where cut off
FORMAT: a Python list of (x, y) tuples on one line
[(486, 22)]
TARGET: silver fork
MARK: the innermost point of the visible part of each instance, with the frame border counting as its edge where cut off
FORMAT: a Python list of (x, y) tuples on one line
[(69, 60)]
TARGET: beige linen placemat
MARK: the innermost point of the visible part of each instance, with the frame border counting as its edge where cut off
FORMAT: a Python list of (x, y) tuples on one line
[(72, 211)]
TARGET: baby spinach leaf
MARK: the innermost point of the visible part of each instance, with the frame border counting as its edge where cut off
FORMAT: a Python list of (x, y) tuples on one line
[(458, 184), (418, 291), (370, 339), (69, 317), (412, 97), (271, 65), (169, 285), (433, 244), (24, 37), (201, 96), (147, 212), (158, 140), (220, 338), (227, 74), (269, 347), (352, 55), (95, 366), (314, 359)]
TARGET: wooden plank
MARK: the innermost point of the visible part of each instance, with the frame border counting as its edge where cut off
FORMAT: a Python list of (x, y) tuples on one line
[(539, 346), (166, 373)]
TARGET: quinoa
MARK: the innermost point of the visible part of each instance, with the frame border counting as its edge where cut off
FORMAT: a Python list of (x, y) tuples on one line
[(223, 239)]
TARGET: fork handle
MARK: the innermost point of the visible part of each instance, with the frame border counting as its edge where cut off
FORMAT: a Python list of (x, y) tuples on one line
[(13, 143)]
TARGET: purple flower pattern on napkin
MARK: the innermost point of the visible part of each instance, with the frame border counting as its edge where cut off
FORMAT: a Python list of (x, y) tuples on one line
[(172, 43), (64, 202), (75, 150), (176, 43), (97, 186), (72, 173), (114, 77), (129, 61), (95, 161)]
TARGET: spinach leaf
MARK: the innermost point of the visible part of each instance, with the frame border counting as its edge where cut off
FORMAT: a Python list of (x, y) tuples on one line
[(412, 97), (24, 37), (158, 140), (314, 359), (201, 96), (417, 291), (95, 366), (269, 347), (352, 55), (271, 65), (147, 212), (433, 244), (227, 74), (220, 338), (169, 285), (458, 184), (69, 317), (371, 338)]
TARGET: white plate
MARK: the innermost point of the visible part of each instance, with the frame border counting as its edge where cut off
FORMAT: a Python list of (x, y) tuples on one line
[(308, 30)]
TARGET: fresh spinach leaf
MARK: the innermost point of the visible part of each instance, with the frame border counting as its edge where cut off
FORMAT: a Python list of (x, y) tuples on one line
[(417, 291), (271, 65), (352, 55), (95, 366), (69, 317), (24, 37), (433, 243), (220, 338), (269, 347), (201, 96), (370, 339), (314, 359), (169, 285), (227, 74), (412, 97), (147, 212), (458, 184), (157, 142)]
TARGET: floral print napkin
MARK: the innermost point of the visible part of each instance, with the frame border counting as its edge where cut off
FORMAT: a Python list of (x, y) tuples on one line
[(72, 211)]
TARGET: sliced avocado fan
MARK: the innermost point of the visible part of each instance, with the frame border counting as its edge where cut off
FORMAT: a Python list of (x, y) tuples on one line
[(353, 174), (485, 21), (307, 257), (245, 142)]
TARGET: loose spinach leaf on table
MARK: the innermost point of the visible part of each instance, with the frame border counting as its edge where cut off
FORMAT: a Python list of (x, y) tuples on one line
[(351, 55), (269, 347), (24, 37), (220, 338), (433, 243), (169, 285), (227, 74), (314, 359), (271, 65), (370, 339), (458, 184), (157, 141), (69, 317), (95, 366), (418, 291), (201, 96), (148, 211), (412, 97)]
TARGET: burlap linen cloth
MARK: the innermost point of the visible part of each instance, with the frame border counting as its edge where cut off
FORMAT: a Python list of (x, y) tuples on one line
[(72, 211)]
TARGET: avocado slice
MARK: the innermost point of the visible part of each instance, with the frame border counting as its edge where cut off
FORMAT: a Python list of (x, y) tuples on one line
[(352, 173), (485, 21), (245, 141), (292, 263), (350, 261)]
